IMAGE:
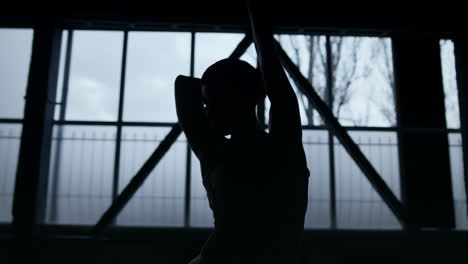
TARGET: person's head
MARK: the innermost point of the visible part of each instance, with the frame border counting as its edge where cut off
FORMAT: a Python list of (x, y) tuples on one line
[(231, 89)]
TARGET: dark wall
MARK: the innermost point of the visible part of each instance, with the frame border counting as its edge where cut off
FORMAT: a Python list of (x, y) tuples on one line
[(353, 17)]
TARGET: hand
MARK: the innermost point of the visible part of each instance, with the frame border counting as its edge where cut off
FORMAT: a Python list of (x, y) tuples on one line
[(261, 30)]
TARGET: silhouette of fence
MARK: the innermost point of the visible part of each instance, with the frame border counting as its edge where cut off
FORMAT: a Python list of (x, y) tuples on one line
[(85, 173)]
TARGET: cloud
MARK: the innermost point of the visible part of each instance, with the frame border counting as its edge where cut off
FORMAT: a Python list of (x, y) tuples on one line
[(90, 100)]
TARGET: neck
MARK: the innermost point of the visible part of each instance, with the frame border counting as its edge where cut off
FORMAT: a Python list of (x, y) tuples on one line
[(249, 128)]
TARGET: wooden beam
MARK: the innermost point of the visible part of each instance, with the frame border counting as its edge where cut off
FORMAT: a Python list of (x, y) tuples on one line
[(33, 163), (422, 138)]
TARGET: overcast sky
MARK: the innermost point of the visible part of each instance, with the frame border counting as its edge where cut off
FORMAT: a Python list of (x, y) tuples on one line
[(154, 59)]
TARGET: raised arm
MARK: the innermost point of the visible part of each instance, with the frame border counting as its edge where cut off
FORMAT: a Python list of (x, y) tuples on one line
[(285, 121), (190, 112)]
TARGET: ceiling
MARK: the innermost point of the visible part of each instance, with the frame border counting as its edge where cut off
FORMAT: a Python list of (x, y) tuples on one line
[(377, 17)]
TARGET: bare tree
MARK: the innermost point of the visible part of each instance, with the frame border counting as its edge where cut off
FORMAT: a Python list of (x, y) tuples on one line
[(383, 62), (450, 83), (312, 52), (344, 69)]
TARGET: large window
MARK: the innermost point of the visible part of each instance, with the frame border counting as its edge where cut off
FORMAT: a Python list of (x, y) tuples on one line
[(82, 156), (115, 104), (153, 60), (92, 161), (15, 56)]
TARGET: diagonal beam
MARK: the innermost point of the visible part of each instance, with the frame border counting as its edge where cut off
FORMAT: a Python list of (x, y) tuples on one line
[(353, 150), (242, 47), (119, 203)]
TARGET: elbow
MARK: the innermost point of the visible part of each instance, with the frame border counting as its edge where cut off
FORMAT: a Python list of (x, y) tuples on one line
[(179, 85), (178, 81), (181, 79)]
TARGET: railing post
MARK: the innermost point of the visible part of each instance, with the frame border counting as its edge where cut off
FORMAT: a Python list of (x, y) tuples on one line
[(188, 165)]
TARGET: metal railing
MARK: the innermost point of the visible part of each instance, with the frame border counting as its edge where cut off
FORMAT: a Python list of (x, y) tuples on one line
[(86, 174)]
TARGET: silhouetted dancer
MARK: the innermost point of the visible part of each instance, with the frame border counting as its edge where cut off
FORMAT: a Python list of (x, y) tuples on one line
[(256, 182)]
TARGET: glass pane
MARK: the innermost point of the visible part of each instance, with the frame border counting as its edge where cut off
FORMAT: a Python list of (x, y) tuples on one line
[(316, 149), (15, 56), (363, 81), (80, 174), (358, 204), (160, 201), (95, 75), (458, 181), (250, 55), (212, 47), (308, 53), (10, 137), (449, 76), (153, 63)]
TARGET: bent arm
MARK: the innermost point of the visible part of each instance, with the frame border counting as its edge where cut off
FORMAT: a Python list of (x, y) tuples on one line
[(192, 119), (285, 121)]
